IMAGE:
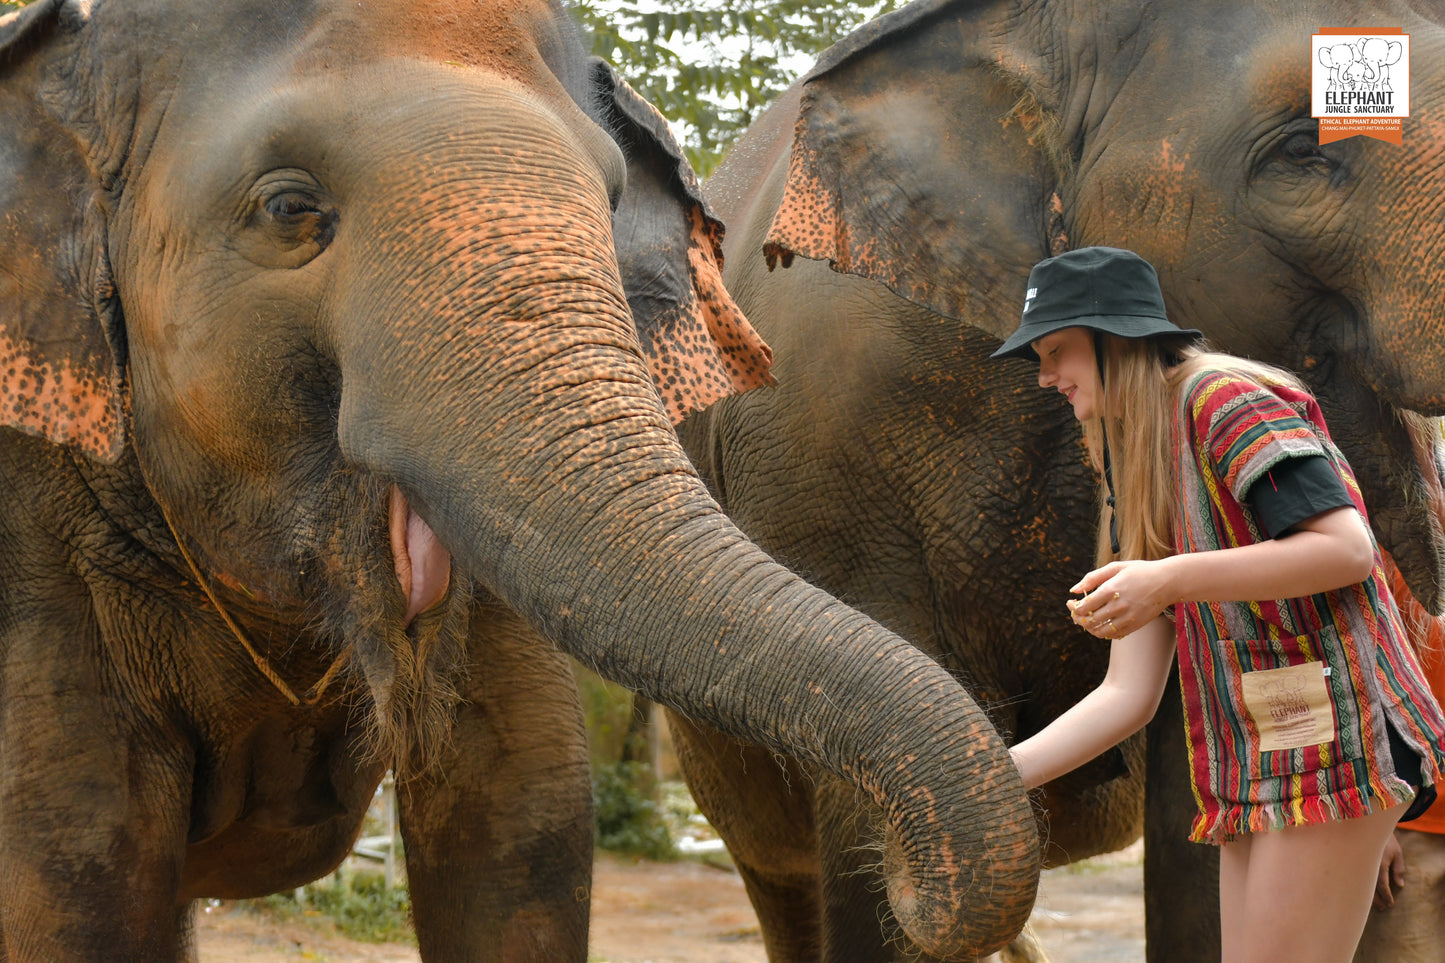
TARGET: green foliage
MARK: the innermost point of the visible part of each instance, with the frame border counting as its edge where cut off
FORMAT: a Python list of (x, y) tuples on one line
[(711, 66), (7, 6), (360, 905), (628, 817), (607, 708)]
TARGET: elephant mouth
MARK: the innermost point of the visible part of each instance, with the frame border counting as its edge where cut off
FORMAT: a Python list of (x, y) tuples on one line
[(423, 565)]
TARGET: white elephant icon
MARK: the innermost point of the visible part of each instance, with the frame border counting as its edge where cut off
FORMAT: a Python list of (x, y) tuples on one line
[(1372, 64), (1286, 700), (1341, 58)]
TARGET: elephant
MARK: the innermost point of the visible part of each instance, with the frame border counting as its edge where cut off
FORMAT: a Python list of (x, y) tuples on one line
[(884, 215), (342, 349), (1376, 56)]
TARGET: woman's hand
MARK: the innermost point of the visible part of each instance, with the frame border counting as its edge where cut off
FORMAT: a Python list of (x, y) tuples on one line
[(1122, 597), (1329, 551), (1392, 874)]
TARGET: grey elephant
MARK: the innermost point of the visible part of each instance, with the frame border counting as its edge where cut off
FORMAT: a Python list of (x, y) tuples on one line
[(884, 216), (338, 348)]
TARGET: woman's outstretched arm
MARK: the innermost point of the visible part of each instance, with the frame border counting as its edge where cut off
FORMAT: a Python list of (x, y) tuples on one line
[(1139, 666), (1329, 551)]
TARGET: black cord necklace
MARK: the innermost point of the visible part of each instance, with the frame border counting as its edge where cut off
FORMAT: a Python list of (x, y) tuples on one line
[(1108, 465)]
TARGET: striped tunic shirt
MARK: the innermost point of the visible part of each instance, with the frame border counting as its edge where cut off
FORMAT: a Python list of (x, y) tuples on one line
[(1229, 432)]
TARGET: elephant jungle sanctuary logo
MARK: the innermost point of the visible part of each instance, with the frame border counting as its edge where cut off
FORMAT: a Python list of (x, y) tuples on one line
[(1360, 82)]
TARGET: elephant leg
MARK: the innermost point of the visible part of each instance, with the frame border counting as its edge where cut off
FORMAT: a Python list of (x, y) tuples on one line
[(1097, 808), (857, 925), (1181, 879), (762, 807), (499, 833), (93, 823)]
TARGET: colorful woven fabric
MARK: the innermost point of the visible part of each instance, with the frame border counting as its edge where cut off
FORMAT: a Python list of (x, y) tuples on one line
[(1229, 432)]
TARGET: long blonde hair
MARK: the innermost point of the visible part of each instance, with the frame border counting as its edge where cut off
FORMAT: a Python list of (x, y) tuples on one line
[(1138, 406)]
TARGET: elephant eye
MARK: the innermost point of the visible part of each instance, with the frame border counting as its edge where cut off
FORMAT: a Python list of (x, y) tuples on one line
[(1303, 149), (286, 219), (1302, 146), (300, 219)]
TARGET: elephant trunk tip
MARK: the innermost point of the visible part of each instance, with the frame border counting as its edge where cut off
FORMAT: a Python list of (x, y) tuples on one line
[(962, 911)]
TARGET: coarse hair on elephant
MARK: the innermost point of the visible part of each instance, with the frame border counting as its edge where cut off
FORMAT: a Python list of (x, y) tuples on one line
[(884, 215), (340, 348)]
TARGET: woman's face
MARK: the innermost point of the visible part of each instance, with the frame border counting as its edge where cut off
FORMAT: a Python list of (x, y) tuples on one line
[(1066, 362)]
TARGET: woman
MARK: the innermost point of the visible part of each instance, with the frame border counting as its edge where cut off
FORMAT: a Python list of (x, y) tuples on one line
[(1236, 535)]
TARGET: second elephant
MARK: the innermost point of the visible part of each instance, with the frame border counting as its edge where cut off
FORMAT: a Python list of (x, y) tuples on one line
[(884, 216)]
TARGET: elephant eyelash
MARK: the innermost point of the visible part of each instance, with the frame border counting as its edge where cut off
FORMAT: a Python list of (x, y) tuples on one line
[(1299, 145), (289, 206), (1302, 147)]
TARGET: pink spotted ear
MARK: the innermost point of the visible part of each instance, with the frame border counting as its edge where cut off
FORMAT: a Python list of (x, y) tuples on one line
[(59, 376), (922, 160), (669, 248)]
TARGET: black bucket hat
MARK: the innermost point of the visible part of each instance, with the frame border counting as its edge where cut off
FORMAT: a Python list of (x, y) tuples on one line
[(1102, 288)]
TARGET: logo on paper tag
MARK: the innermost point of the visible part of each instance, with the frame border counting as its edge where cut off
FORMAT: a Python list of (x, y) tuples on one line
[(1360, 82), (1290, 706)]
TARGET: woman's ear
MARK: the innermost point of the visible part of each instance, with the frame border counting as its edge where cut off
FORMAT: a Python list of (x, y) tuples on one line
[(669, 248), (60, 374)]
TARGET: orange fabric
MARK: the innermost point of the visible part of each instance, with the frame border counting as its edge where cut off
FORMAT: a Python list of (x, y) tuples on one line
[(1427, 633)]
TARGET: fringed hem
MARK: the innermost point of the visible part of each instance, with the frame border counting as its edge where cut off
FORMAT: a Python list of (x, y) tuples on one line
[(1240, 818)]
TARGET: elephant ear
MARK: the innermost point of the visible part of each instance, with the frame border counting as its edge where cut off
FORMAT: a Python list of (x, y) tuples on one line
[(923, 159), (669, 247), (59, 374)]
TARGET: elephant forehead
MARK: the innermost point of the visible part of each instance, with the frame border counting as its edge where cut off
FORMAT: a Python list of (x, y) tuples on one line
[(1276, 82), (1134, 189), (500, 36)]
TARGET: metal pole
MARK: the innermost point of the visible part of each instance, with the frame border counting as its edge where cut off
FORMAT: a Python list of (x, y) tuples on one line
[(388, 808)]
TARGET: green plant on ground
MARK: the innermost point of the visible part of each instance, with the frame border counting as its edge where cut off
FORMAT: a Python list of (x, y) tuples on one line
[(359, 904), (628, 817)]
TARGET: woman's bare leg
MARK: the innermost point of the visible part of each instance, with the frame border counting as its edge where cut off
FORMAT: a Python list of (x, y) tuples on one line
[(1306, 891)]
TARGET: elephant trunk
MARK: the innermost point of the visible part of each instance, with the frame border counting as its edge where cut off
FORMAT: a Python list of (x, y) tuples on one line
[(659, 591), (490, 370)]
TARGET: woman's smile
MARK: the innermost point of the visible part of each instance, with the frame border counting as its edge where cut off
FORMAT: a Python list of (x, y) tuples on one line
[(1067, 362)]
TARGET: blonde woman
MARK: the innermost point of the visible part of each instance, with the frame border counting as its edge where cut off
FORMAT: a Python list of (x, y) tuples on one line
[(1232, 532)]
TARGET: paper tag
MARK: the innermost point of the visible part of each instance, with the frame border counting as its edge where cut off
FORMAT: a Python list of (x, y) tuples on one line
[(1290, 706)]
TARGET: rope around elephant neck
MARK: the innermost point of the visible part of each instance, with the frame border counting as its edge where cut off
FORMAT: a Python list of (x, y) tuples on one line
[(312, 695)]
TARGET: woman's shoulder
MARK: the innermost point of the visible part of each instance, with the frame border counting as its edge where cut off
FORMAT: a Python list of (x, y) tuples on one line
[(1229, 377), (1221, 400), (1216, 382)]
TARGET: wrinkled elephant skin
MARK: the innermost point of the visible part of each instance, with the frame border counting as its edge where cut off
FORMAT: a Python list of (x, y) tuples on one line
[(340, 349), (884, 216)]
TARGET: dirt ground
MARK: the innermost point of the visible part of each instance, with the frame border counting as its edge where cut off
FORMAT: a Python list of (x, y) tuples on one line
[(690, 912)]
